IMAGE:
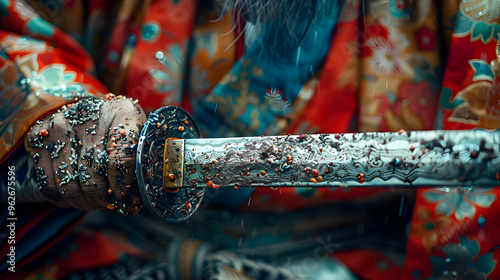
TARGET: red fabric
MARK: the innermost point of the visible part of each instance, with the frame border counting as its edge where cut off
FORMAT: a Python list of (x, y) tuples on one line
[(367, 264)]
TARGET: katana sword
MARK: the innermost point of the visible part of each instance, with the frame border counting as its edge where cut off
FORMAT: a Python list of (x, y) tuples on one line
[(401, 159), (174, 164)]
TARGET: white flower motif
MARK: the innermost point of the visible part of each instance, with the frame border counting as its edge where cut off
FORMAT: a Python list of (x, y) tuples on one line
[(386, 56), (277, 101), (24, 44), (24, 11), (462, 201)]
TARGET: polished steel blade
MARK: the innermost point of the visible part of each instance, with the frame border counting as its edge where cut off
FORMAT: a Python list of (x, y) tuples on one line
[(399, 159)]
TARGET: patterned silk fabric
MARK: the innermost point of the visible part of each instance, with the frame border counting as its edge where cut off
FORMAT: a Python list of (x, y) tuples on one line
[(373, 65)]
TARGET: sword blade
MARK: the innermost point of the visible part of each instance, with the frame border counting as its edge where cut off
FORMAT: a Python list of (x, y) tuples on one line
[(399, 159)]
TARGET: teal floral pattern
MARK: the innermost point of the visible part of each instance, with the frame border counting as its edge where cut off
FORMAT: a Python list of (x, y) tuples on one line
[(445, 100), (482, 70), (41, 27), (169, 79), (56, 81), (261, 86), (460, 201), (477, 29), (150, 31), (462, 261)]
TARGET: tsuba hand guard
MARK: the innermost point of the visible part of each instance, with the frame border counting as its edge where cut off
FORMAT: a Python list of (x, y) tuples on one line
[(169, 205)]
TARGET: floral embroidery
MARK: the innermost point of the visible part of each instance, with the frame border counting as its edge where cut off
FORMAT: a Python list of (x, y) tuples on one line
[(429, 228), (477, 29), (243, 103), (52, 79), (482, 70), (38, 26), (426, 39), (56, 81), (26, 44), (473, 106), (150, 31), (386, 56), (460, 201), (399, 9), (24, 11), (170, 77), (461, 262), (477, 103), (445, 101), (277, 101)]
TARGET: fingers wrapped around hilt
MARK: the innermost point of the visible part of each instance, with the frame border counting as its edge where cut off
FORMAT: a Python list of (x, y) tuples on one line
[(84, 154)]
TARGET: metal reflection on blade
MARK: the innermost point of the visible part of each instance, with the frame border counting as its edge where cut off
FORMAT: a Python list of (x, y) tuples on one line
[(399, 159)]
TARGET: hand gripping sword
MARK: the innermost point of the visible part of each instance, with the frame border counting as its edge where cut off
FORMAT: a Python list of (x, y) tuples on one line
[(174, 165)]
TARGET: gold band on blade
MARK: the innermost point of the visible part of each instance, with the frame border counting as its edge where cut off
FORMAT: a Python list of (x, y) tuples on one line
[(173, 164)]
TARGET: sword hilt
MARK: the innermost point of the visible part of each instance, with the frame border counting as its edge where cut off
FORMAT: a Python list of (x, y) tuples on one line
[(158, 192), (159, 179)]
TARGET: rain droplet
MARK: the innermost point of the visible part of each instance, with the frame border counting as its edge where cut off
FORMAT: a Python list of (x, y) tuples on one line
[(160, 56), (481, 221), (298, 57)]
